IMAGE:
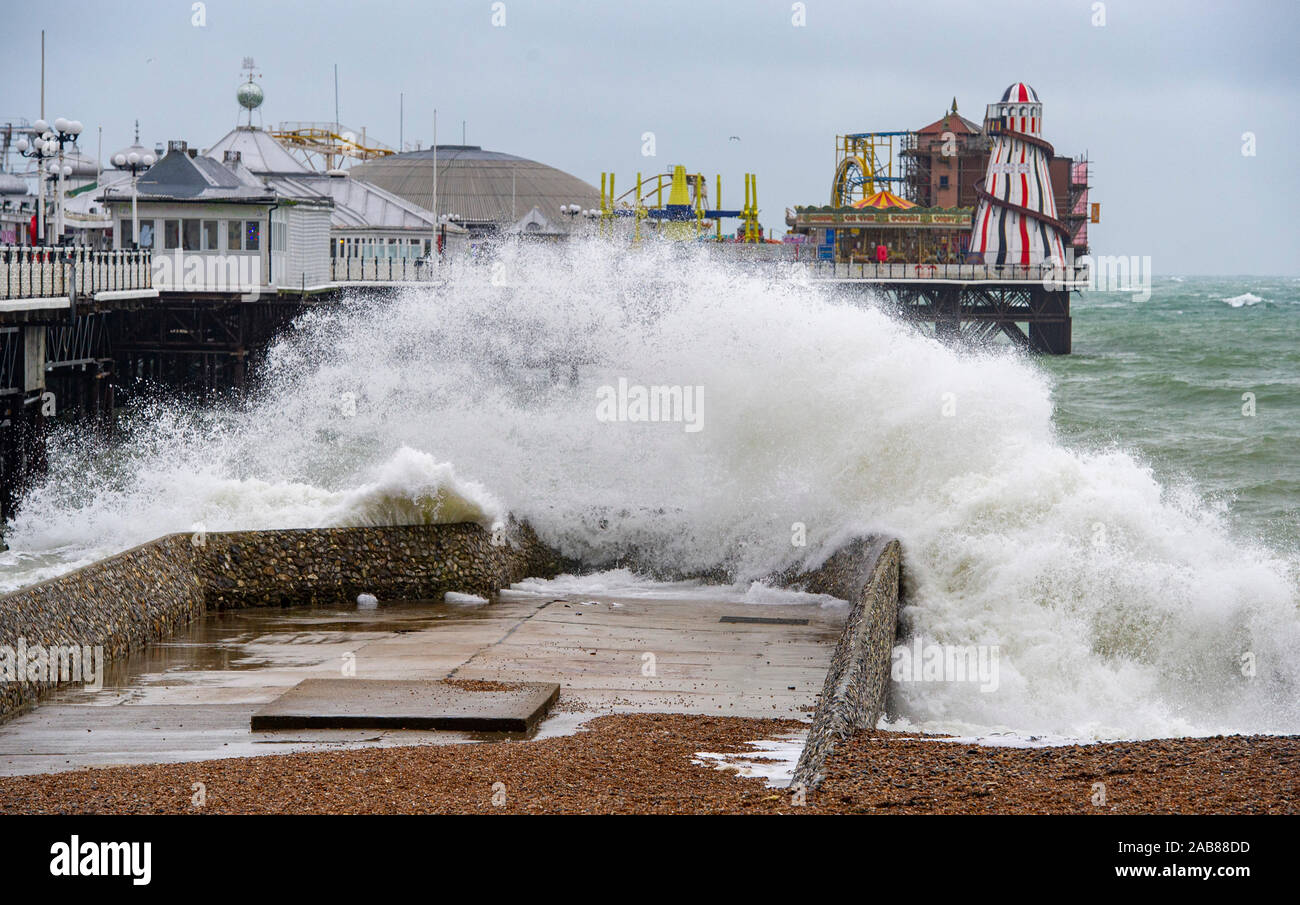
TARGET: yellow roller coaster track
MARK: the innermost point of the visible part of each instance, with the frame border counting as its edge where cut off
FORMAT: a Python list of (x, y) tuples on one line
[(330, 142)]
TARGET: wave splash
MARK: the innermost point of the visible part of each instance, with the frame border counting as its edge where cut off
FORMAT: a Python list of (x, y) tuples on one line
[(1119, 607), (1245, 300)]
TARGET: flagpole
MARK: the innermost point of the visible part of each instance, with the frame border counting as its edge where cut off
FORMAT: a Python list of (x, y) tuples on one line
[(435, 187)]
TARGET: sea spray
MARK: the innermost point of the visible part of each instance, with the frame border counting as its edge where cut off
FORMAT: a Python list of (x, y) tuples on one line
[(1119, 607)]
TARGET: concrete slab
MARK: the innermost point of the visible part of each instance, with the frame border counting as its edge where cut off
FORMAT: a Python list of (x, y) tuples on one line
[(193, 696), (396, 704)]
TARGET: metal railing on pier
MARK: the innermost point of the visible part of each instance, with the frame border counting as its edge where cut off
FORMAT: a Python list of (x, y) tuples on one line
[(33, 272), (402, 270), (380, 270), (965, 273)]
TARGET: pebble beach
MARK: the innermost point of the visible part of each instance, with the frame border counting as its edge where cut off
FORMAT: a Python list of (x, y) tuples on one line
[(650, 764)]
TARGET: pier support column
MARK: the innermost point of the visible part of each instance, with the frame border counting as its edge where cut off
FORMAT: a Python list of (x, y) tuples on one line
[(22, 450), (1050, 330), (947, 311), (34, 358)]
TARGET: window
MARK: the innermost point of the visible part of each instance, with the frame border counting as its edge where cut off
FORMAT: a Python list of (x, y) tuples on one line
[(234, 235), (210, 235), (252, 235), (146, 233), (171, 234), (943, 182), (190, 235)]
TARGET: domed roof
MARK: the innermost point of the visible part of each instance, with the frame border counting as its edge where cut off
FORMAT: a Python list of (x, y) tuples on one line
[(480, 187), (83, 166), (1020, 93), (12, 185)]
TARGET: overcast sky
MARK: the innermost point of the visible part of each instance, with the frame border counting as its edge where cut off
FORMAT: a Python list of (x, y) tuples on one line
[(1159, 97)]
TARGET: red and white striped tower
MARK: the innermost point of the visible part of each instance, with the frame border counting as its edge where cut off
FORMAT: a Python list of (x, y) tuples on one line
[(1016, 220)]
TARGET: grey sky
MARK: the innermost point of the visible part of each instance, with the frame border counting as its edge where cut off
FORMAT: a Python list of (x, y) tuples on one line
[(1159, 97)]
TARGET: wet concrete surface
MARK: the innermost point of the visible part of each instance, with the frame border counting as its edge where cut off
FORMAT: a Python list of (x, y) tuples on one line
[(191, 697)]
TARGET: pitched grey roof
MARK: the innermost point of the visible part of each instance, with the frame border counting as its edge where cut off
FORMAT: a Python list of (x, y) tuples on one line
[(178, 177)]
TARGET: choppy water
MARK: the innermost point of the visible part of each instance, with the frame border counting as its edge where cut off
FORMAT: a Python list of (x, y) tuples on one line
[(1167, 377), (1111, 521)]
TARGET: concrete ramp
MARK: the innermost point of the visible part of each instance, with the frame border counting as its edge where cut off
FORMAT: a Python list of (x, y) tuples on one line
[(467, 706)]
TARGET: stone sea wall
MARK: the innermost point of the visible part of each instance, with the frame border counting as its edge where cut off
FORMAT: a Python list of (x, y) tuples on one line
[(867, 573), (334, 565), (144, 594), (120, 603)]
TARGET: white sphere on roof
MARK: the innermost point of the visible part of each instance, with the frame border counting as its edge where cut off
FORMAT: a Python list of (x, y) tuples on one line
[(250, 95)]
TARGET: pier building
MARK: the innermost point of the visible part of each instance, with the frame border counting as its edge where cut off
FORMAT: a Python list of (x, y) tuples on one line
[(366, 221), (214, 226), (485, 191), (971, 227)]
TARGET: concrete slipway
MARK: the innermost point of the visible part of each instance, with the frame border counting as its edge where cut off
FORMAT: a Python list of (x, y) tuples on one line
[(191, 697)]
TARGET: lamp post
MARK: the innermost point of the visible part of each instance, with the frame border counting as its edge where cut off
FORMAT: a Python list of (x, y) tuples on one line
[(136, 163), (47, 144), (442, 229), (58, 172), (37, 150)]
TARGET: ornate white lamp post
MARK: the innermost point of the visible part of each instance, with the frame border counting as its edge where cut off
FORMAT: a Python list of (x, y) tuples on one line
[(47, 145), (136, 163)]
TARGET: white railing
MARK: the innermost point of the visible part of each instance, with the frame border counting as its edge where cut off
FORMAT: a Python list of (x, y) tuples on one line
[(28, 272), (966, 273), (405, 270), (380, 270)]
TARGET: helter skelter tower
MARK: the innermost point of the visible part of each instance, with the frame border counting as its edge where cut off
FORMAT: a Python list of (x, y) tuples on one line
[(1016, 220)]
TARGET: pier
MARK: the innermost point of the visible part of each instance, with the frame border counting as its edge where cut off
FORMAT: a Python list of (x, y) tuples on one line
[(973, 303), (81, 329)]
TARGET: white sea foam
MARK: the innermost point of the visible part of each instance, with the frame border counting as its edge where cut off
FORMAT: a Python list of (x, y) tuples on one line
[(1245, 300), (1121, 608), (624, 583)]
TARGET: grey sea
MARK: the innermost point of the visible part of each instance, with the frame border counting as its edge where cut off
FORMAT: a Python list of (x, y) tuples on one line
[(1203, 380)]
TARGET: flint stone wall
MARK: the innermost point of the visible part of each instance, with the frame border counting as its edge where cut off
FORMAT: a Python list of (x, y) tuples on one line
[(867, 573), (334, 565), (146, 593)]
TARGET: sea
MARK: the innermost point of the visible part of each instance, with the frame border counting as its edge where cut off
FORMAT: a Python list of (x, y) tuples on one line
[(1119, 527)]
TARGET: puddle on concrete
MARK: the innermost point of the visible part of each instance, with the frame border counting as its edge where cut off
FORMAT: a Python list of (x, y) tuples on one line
[(209, 648)]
